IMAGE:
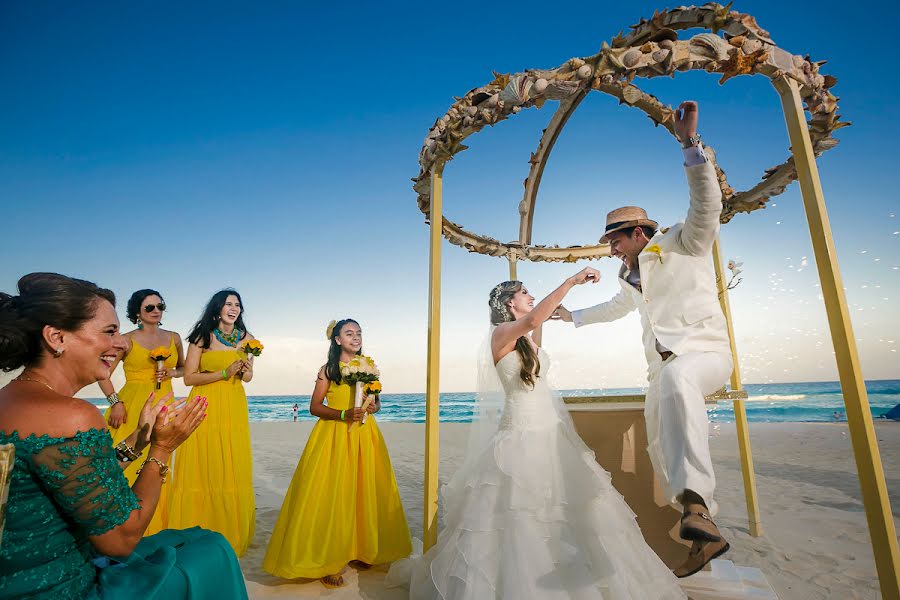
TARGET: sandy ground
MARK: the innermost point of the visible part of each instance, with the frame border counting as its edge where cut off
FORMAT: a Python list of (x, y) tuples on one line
[(815, 544)]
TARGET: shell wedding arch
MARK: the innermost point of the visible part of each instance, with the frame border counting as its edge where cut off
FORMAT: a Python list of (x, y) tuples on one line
[(733, 44)]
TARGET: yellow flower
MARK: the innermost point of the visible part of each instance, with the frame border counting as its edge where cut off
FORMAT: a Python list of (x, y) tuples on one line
[(161, 353), (374, 387), (254, 347), (655, 249)]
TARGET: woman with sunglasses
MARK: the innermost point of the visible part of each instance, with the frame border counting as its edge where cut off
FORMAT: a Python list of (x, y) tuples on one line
[(145, 309)]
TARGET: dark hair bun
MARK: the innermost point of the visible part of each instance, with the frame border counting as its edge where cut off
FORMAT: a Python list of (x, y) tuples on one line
[(14, 339), (44, 299)]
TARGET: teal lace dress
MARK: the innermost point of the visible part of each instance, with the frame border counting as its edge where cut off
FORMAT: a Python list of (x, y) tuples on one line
[(66, 489)]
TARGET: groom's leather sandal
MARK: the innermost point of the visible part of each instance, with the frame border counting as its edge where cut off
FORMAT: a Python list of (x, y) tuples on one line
[(701, 553), (697, 525)]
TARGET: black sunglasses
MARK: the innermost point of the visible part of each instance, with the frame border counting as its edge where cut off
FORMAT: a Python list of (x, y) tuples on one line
[(149, 308)]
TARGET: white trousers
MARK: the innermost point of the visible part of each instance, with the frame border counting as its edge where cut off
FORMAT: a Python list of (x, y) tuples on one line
[(677, 425)]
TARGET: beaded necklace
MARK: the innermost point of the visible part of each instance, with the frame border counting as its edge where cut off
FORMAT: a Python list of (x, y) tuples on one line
[(230, 339)]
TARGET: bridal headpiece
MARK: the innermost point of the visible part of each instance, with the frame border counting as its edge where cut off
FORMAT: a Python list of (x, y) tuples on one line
[(496, 302)]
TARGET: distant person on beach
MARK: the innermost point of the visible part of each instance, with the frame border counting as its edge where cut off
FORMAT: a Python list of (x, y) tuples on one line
[(530, 515), (667, 275), (145, 309), (75, 526), (343, 506), (213, 482), (295, 410), (838, 415)]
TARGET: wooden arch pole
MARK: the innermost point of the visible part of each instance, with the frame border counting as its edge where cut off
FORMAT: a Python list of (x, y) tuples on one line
[(432, 384), (740, 411), (859, 416)]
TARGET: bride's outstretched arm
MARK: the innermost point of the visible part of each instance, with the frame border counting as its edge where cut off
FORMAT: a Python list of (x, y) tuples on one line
[(506, 334)]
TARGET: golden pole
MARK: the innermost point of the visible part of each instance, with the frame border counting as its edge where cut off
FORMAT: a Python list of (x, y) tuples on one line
[(859, 416), (432, 385), (512, 266), (740, 412)]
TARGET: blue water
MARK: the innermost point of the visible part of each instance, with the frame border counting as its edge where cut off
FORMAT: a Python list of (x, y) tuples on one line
[(768, 403)]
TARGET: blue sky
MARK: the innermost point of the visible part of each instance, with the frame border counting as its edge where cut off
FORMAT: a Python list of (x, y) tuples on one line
[(269, 147)]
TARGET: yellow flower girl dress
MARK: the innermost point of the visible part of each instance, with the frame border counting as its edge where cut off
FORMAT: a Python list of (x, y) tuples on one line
[(343, 503)]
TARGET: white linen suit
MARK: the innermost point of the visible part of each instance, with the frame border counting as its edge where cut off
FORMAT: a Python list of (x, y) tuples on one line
[(679, 307)]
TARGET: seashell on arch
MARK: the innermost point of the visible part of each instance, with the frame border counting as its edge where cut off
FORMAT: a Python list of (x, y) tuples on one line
[(631, 58), (516, 91), (709, 45)]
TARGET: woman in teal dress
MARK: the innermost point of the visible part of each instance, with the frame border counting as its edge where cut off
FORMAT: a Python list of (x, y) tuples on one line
[(74, 527)]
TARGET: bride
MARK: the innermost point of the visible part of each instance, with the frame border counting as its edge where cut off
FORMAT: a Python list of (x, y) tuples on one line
[(530, 514)]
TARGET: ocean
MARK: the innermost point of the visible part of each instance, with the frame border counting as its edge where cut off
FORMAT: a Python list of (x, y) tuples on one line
[(767, 403)]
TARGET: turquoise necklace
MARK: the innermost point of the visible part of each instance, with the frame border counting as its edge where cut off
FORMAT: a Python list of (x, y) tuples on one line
[(230, 339)]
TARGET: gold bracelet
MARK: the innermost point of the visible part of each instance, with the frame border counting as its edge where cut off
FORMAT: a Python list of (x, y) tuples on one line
[(163, 467), (126, 453)]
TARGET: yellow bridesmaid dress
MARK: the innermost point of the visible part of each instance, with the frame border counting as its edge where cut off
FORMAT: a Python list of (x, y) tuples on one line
[(140, 382), (343, 503), (212, 485)]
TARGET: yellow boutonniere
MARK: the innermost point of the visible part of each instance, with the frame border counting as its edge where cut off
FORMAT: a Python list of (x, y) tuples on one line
[(655, 249)]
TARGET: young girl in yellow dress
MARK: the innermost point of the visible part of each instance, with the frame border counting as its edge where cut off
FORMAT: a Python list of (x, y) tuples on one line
[(212, 486), (145, 309), (343, 506)]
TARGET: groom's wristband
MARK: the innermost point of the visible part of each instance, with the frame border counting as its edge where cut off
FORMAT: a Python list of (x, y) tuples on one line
[(691, 141)]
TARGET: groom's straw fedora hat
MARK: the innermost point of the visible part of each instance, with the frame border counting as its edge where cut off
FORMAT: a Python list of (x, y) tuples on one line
[(625, 217)]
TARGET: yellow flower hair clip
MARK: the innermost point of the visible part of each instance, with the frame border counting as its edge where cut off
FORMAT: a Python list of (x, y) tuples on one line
[(330, 329)]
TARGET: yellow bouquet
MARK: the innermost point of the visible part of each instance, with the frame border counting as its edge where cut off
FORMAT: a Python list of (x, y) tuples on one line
[(362, 372), (251, 348), (160, 355), (254, 347)]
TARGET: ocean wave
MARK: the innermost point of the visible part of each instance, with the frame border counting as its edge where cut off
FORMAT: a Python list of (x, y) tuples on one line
[(777, 397)]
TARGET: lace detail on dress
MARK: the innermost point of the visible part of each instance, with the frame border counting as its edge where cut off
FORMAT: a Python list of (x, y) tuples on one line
[(63, 490), (85, 479)]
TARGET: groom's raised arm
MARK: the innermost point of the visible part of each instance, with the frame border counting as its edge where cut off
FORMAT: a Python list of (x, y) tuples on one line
[(702, 223), (621, 304)]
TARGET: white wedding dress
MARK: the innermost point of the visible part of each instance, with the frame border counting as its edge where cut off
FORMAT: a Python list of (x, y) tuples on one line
[(535, 517)]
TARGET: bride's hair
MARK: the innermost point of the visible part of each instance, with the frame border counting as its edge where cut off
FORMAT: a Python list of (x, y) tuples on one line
[(500, 313), (333, 366)]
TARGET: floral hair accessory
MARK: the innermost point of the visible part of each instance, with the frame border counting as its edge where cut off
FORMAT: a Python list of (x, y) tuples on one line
[(494, 299), (329, 331)]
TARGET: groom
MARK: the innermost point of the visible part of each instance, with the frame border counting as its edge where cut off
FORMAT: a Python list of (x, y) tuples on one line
[(667, 275)]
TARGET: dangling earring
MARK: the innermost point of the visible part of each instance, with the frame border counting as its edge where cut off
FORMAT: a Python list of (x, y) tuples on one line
[(140, 323)]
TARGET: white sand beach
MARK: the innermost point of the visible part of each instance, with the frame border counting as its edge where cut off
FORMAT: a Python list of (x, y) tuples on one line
[(816, 544)]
